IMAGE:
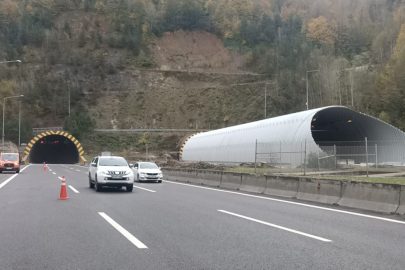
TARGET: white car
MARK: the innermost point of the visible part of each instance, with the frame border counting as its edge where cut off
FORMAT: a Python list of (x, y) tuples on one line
[(110, 172), (147, 171)]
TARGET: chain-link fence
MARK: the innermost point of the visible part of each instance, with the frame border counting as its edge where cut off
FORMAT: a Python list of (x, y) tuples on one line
[(363, 157)]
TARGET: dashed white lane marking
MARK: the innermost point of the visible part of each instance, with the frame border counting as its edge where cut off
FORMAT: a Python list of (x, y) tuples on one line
[(74, 190), (71, 168), (144, 189), (54, 172), (124, 232), (294, 203), (12, 177), (277, 226), (60, 178), (77, 171)]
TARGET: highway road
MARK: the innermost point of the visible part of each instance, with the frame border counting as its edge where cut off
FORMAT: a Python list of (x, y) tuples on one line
[(180, 226)]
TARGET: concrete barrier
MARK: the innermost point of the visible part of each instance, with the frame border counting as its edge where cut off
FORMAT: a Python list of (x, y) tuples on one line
[(253, 183), (231, 180), (371, 196), (319, 190), (177, 175), (401, 208), (282, 186), (207, 178)]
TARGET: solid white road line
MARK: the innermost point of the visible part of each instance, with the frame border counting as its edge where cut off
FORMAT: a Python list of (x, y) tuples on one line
[(277, 226), (124, 232), (72, 188), (12, 177), (294, 203), (144, 189)]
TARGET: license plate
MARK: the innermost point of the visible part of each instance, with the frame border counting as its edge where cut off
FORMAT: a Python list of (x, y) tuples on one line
[(9, 168), (116, 177)]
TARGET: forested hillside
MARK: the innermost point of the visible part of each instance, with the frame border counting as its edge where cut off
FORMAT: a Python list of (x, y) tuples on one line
[(121, 59)]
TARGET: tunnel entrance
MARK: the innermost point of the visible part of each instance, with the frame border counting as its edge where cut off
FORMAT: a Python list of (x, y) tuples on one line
[(54, 149)]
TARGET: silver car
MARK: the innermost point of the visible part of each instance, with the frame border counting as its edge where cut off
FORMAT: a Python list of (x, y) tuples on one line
[(147, 171)]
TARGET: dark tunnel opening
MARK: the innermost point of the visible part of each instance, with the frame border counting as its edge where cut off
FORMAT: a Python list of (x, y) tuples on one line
[(345, 131), (54, 149)]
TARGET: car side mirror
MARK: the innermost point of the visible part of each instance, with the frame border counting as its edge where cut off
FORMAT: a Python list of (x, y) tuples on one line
[(160, 168), (131, 165), (94, 164)]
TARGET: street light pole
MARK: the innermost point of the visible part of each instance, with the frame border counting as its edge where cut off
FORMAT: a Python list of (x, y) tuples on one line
[(19, 124), (4, 112), (307, 86), (265, 99)]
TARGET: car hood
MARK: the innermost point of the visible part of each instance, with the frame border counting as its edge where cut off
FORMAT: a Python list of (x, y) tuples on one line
[(114, 168), (150, 171)]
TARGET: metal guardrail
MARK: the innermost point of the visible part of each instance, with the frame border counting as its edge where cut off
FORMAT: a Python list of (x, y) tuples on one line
[(39, 130), (151, 130)]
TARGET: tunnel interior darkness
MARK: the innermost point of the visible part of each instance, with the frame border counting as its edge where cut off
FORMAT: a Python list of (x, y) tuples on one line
[(54, 149)]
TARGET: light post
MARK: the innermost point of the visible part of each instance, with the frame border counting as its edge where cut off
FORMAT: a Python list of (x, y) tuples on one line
[(19, 124), (265, 99), (309, 71), (4, 112)]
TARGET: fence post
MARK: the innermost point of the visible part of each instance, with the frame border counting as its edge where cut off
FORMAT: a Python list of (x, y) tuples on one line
[(376, 157), (334, 150), (366, 156), (280, 157), (305, 158), (255, 155), (319, 163)]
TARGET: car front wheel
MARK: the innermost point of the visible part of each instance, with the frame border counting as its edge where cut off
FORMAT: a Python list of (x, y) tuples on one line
[(91, 184), (97, 186), (130, 188)]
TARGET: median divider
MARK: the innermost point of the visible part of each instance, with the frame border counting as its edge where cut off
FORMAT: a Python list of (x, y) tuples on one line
[(401, 208), (387, 198), (282, 186), (371, 196), (319, 190), (253, 183), (231, 180)]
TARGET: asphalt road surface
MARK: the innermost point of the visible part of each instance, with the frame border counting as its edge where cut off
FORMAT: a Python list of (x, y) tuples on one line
[(179, 226)]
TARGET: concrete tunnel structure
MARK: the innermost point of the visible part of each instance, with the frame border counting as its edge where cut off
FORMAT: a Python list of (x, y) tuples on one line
[(54, 148), (319, 130)]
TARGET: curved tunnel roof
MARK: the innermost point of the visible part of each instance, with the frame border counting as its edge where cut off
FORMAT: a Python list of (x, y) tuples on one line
[(314, 128)]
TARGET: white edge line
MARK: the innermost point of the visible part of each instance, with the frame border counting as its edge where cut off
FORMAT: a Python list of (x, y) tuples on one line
[(12, 177), (74, 190), (277, 226), (295, 203), (144, 189), (124, 232)]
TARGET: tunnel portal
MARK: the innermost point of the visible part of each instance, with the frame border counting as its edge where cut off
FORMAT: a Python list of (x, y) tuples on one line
[(54, 148)]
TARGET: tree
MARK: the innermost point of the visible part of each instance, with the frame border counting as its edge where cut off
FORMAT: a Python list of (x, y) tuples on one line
[(81, 41), (9, 12), (319, 30)]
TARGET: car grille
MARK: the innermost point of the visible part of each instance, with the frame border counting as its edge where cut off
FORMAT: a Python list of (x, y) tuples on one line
[(9, 165), (152, 174)]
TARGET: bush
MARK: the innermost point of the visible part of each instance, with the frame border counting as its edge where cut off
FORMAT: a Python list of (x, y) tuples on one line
[(79, 123), (81, 42)]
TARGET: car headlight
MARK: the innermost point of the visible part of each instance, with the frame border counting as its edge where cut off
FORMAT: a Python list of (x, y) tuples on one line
[(1, 164), (142, 173), (105, 172)]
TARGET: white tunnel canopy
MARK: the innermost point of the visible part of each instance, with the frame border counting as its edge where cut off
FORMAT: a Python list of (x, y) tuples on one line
[(315, 129)]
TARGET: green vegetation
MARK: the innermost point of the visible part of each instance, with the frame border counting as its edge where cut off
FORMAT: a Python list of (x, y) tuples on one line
[(83, 46)]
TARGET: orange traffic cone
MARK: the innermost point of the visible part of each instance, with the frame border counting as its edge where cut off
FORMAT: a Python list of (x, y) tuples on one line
[(63, 194), (44, 167)]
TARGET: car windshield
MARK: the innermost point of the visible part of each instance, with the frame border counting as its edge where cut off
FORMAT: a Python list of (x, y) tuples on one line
[(148, 166), (113, 162), (9, 157)]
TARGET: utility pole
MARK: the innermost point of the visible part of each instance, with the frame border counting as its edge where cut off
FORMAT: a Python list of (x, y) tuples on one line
[(4, 113), (309, 71), (19, 125), (265, 98)]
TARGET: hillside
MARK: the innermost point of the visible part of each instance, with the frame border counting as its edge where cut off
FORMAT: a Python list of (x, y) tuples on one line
[(197, 64)]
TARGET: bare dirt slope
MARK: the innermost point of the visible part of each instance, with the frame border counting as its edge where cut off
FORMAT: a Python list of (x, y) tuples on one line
[(195, 51)]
